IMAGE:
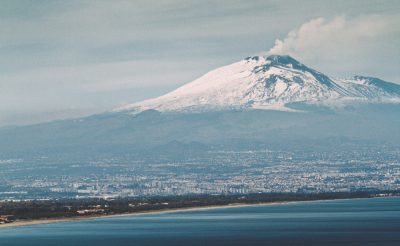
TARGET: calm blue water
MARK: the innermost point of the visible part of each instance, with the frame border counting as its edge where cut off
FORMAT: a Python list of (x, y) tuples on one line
[(346, 222)]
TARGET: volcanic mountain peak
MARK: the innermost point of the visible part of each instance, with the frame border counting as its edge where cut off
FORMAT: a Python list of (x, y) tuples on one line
[(267, 82)]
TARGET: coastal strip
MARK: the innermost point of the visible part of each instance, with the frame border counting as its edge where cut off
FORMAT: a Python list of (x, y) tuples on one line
[(126, 207), (150, 212)]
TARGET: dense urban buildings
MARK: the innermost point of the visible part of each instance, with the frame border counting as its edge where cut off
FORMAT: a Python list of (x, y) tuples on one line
[(212, 172)]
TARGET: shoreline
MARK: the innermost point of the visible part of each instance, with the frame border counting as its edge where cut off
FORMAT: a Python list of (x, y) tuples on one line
[(19, 223), (161, 211)]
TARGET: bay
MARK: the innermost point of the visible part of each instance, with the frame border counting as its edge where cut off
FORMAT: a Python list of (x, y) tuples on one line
[(339, 222)]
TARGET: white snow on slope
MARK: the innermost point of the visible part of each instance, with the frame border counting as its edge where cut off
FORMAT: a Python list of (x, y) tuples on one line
[(266, 83)]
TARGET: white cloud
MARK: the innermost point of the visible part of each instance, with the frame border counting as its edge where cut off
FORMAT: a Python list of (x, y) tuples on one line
[(330, 36), (343, 45)]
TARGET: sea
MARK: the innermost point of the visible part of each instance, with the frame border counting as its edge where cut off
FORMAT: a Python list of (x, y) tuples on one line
[(374, 221)]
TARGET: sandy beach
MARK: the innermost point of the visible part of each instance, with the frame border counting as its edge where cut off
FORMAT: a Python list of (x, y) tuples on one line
[(92, 217), (168, 210)]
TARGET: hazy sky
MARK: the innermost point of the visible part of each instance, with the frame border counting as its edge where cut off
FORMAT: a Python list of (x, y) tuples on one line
[(70, 58)]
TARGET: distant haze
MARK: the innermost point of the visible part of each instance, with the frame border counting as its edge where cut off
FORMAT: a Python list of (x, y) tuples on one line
[(62, 59)]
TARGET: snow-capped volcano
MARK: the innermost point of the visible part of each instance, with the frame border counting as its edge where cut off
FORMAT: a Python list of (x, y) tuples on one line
[(267, 82)]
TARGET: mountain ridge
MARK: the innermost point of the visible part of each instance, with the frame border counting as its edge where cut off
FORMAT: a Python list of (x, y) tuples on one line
[(281, 84), (268, 82)]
